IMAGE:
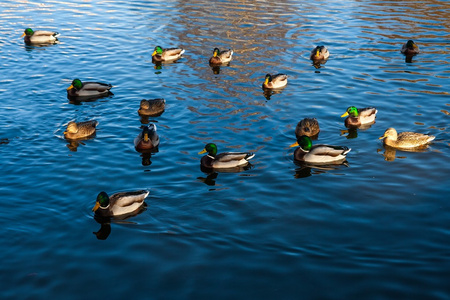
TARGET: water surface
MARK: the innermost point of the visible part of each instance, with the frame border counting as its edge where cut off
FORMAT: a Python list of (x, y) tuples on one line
[(375, 229)]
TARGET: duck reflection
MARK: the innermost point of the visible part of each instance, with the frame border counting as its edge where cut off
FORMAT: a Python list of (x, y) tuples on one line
[(390, 153), (215, 69), (268, 93), (212, 174), (351, 133), (105, 222), (36, 47), (318, 65), (78, 100), (408, 58), (74, 144), (146, 156), (306, 170)]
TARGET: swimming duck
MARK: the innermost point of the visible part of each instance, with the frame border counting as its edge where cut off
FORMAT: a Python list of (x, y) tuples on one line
[(223, 160), (39, 36), (359, 116), (221, 57), (87, 89), (169, 54), (275, 81), (318, 154), (147, 139), (308, 127), (410, 48), (119, 203), (319, 53), (405, 139), (80, 130), (152, 107)]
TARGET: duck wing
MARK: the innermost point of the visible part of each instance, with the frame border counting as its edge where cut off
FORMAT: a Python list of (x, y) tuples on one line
[(96, 86), (153, 135), (328, 150), (87, 127), (126, 199), (172, 53), (226, 55)]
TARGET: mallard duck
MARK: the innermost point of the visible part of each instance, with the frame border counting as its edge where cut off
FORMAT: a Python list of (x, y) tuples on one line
[(405, 139), (39, 36), (308, 127), (223, 160), (87, 89), (152, 107), (80, 130), (119, 203), (318, 154), (169, 54), (275, 81), (147, 139), (410, 48), (221, 57), (359, 116), (319, 53)]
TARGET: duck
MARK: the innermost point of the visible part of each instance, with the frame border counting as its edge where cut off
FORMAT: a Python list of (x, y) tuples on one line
[(147, 139), (307, 126), (359, 116), (319, 53), (39, 36), (405, 139), (318, 154), (275, 81), (80, 130), (119, 203), (170, 54), (152, 107), (87, 89), (221, 57), (410, 48), (223, 160)]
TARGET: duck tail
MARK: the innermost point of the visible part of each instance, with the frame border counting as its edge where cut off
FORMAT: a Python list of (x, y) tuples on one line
[(250, 156)]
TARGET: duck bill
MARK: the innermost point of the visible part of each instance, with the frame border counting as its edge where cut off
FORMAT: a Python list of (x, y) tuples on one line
[(294, 145), (203, 151), (266, 81), (145, 137), (381, 137), (23, 34), (154, 53), (317, 54), (70, 87), (97, 205), (344, 114)]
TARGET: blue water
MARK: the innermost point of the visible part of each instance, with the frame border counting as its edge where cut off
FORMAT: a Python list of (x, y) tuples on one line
[(375, 229)]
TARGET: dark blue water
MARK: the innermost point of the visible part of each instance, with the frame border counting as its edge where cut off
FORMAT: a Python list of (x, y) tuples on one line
[(375, 229)]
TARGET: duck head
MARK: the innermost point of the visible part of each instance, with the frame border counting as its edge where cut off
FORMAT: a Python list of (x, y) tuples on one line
[(102, 201), (211, 149), (352, 111)]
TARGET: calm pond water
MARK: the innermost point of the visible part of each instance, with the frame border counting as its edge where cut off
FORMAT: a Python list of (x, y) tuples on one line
[(375, 229)]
